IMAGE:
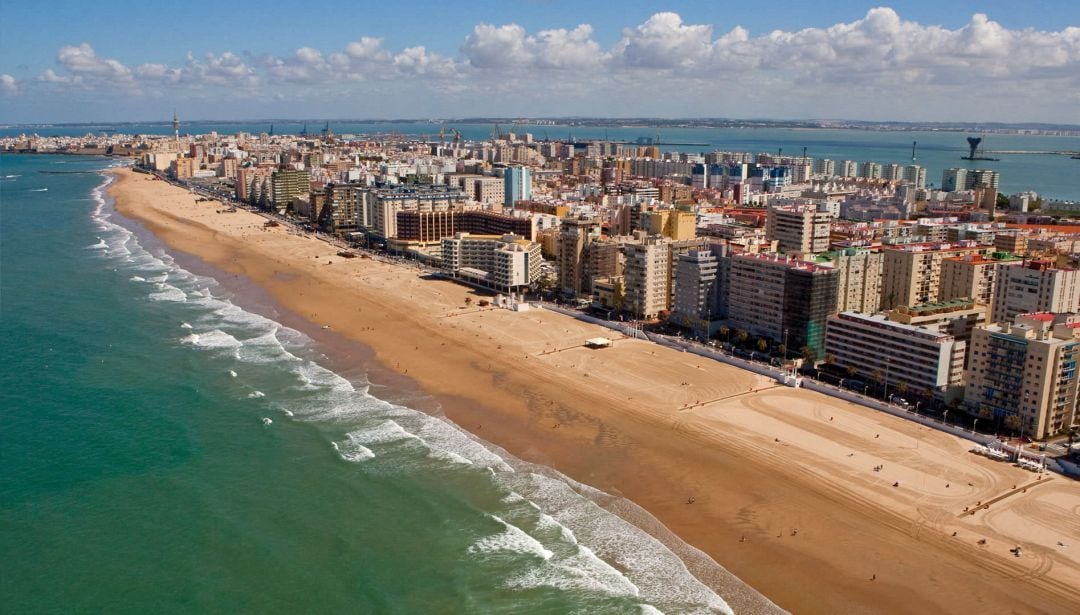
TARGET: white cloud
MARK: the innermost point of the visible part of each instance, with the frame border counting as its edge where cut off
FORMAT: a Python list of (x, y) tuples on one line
[(8, 85), (881, 62), (509, 46)]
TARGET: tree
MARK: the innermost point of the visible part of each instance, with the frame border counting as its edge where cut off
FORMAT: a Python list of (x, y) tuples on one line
[(741, 335), (1013, 422), (852, 371), (877, 376), (782, 349), (830, 358), (762, 344), (808, 353), (901, 387), (725, 331)]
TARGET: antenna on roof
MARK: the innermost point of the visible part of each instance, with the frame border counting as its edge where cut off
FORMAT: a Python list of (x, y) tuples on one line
[(913, 144)]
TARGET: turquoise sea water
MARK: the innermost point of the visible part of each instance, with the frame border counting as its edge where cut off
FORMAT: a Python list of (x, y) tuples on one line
[(1053, 176), (164, 450)]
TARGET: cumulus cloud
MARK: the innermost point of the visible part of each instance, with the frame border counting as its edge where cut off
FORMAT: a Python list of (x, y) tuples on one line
[(879, 56), (8, 85), (509, 46)]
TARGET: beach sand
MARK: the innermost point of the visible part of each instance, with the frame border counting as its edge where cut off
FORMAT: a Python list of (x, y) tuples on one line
[(776, 484)]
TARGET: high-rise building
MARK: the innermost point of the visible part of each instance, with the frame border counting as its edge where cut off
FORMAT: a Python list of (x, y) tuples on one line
[(517, 184), (916, 175), (646, 277), (954, 179), (878, 348), (506, 262), (781, 298), (1035, 286), (972, 276), (858, 279), (870, 170), (696, 290), (287, 184), (1023, 375), (959, 178), (799, 229), (574, 235), (825, 167), (849, 168), (911, 274)]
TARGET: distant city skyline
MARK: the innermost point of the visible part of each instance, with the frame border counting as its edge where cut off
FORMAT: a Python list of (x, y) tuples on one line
[(915, 61)]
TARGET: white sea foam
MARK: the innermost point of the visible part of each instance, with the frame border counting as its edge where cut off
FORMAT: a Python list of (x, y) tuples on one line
[(512, 539), (168, 292), (185, 325), (100, 245), (256, 395), (352, 451), (232, 374), (137, 278), (12, 176), (214, 339), (39, 190), (578, 545)]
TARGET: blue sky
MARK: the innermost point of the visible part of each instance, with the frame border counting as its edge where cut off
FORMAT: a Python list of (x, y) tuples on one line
[(100, 61)]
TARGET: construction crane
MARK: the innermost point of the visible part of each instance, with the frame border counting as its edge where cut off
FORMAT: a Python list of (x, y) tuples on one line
[(457, 136), (496, 134), (442, 134)]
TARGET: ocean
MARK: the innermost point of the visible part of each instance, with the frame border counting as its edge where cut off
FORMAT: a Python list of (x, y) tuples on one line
[(168, 447), (1053, 176)]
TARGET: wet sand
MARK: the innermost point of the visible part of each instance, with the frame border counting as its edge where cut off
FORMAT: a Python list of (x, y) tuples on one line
[(782, 482)]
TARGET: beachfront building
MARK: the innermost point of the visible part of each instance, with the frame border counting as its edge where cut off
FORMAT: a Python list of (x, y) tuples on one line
[(646, 279), (782, 298), (1023, 375), (911, 273), (506, 262), (574, 235), (958, 317), (286, 185), (387, 202), (1035, 286), (697, 284), (798, 229), (517, 185), (972, 276), (858, 278), (429, 226), (899, 356), (347, 209)]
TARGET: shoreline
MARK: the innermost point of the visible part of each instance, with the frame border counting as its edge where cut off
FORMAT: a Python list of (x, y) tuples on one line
[(565, 411)]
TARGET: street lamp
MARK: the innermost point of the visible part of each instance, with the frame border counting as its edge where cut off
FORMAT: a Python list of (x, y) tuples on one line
[(945, 417), (975, 426)]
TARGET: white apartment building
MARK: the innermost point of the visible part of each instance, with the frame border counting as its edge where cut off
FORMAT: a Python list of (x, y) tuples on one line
[(1035, 286), (502, 262), (922, 359)]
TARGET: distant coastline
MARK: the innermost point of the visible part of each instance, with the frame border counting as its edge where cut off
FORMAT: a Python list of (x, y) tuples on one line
[(1018, 128)]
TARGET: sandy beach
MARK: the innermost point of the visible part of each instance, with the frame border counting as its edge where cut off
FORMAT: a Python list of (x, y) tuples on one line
[(778, 485)]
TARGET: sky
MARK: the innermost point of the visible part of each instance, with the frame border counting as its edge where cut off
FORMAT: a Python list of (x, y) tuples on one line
[(995, 60)]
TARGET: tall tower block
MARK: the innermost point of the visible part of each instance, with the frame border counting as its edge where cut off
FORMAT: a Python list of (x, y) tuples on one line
[(176, 127)]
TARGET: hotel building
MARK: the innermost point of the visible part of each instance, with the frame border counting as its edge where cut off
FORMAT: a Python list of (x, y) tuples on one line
[(921, 358)]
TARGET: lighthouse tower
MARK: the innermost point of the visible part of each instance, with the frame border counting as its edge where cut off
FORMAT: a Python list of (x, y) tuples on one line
[(176, 127)]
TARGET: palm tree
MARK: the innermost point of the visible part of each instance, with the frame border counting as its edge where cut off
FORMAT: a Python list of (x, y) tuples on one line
[(852, 371), (877, 376), (808, 353), (901, 387), (830, 358), (1013, 422), (782, 349), (725, 331), (741, 335), (762, 344)]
